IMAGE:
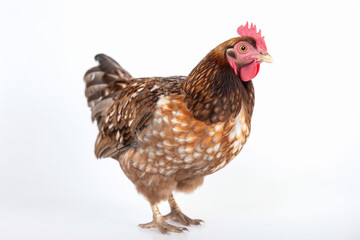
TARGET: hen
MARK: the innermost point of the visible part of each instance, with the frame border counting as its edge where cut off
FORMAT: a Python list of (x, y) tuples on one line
[(169, 132)]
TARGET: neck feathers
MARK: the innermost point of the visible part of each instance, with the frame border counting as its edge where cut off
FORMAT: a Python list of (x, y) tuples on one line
[(214, 93)]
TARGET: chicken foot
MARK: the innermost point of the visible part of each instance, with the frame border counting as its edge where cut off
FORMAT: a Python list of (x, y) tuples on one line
[(160, 224), (178, 215)]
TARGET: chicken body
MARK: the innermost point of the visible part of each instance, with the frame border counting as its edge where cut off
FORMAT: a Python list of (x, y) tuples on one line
[(168, 133), (175, 150)]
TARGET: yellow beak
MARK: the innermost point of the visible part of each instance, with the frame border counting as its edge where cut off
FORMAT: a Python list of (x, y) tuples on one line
[(265, 58)]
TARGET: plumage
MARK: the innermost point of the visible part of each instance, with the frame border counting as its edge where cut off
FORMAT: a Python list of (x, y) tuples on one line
[(169, 132)]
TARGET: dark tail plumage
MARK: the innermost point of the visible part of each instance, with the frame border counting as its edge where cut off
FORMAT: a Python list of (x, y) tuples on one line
[(102, 84)]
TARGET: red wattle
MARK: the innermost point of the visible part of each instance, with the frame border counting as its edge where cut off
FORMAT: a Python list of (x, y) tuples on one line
[(249, 71)]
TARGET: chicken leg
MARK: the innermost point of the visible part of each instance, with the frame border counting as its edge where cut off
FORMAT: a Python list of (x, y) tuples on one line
[(160, 224), (177, 215)]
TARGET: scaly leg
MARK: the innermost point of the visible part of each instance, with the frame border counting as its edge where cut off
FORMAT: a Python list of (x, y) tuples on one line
[(160, 224), (178, 215)]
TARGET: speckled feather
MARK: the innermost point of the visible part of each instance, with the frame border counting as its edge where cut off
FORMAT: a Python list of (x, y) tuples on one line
[(168, 133)]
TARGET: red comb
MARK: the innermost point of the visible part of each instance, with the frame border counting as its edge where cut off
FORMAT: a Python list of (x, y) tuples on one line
[(245, 31)]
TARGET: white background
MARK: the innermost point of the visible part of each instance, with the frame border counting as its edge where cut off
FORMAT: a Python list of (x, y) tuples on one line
[(298, 176)]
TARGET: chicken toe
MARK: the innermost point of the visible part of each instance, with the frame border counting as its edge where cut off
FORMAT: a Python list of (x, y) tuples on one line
[(163, 227), (182, 218)]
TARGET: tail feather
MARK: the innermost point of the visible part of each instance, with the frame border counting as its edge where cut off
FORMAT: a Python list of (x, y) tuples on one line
[(109, 65), (100, 108), (103, 82)]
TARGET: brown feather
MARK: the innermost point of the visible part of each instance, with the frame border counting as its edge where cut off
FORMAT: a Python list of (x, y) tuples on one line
[(213, 92)]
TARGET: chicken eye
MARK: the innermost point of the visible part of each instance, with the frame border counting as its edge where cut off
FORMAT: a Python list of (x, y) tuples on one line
[(243, 48)]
